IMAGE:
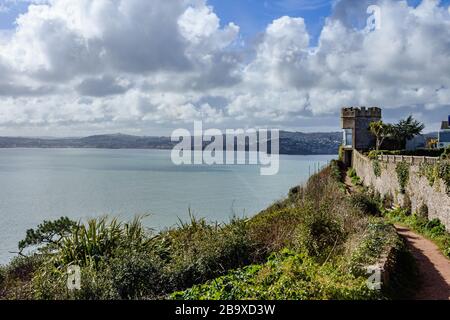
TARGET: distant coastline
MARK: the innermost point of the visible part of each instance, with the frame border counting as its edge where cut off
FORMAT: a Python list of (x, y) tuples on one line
[(291, 143)]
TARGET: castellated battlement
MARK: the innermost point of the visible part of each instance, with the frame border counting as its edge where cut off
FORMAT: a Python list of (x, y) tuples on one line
[(360, 112)]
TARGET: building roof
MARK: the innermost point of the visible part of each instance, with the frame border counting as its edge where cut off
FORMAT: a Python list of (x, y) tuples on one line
[(445, 125)]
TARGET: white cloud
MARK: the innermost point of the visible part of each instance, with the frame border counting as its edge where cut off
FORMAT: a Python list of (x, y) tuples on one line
[(405, 63), (136, 63)]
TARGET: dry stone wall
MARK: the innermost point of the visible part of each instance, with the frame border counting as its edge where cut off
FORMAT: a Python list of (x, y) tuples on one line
[(418, 188)]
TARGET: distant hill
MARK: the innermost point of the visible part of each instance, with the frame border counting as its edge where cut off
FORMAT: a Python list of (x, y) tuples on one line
[(290, 142)]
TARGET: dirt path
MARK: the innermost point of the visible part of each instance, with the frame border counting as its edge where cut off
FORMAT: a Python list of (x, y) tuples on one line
[(434, 268)]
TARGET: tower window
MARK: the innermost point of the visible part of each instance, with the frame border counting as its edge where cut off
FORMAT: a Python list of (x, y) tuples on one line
[(348, 138)]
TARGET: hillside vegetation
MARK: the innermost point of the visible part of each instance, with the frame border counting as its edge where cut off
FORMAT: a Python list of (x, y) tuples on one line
[(315, 244), (290, 142)]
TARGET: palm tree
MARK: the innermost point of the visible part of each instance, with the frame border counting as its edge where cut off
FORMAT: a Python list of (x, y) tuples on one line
[(406, 130), (381, 131)]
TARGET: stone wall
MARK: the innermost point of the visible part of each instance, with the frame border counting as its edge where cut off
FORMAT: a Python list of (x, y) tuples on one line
[(418, 188)]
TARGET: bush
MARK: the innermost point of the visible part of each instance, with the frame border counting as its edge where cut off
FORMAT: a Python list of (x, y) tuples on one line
[(434, 172), (137, 276), (273, 230), (445, 155), (319, 233), (336, 170), (15, 278), (435, 227), (354, 177), (423, 211), (377, 237), (286, 276), (365, 203), (388, 200), (199, 252)]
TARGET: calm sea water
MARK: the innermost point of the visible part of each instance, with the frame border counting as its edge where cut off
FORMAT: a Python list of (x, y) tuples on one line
[(45, 184)]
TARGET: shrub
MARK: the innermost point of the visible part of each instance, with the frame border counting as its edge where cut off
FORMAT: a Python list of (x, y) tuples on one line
[(319, 233), (273, 230), (354, 177), (365, 203), (445, 155), (377, 237), (295, 193), (15, 278), (402, 170), (341, 153), (138, 275), (335, 170), (434, 172), (286, 276), (100, 240), (388, 200), (173, 260), (435, 227), (423, 211)]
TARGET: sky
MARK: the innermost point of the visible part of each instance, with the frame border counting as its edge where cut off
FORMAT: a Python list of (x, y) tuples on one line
[(81, 67)]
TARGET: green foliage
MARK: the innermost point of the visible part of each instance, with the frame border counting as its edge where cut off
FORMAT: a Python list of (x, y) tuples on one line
[(365, 203), (376, 168), (356, 180), (336, 170), (319, 233), (137, 265), (197, 252), (388, 200), (373, 154), (48, 232), (434, 172), (286, 276), (100, 239), (444, 174), (445, 155), (15, 278), (377, 237), (341, 153), (273, 230), (423, 211), (430, 171), (402, 170), (381, 131), (406, 129)]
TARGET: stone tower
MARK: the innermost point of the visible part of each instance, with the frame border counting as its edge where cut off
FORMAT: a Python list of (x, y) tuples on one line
[(355, 123)]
